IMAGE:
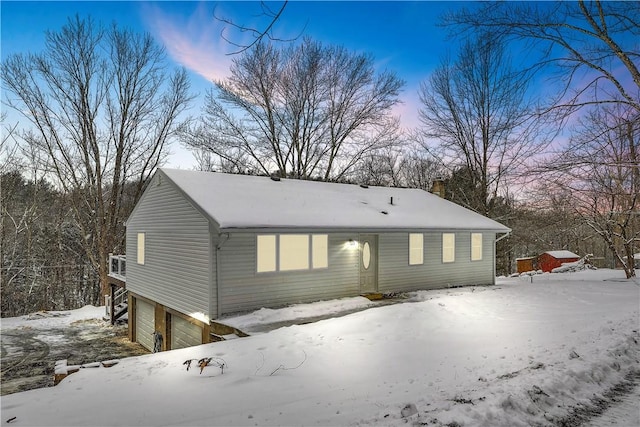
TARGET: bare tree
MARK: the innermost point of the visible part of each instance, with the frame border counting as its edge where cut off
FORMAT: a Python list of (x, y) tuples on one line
[(304, 111), (594, 45), (600, 169), (477, 119), (399, 167), (9, 159), (592, 49), (102, 109)]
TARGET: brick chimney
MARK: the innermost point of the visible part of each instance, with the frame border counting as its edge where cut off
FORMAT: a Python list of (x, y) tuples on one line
[(437, 187)]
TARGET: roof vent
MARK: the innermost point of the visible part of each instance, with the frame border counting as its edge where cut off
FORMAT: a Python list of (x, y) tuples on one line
[(391, 200), (275, 178), (364, 186), (384, 212)]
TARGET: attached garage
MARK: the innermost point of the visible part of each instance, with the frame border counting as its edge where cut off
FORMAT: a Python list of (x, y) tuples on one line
[(145, 323), (184, 333)]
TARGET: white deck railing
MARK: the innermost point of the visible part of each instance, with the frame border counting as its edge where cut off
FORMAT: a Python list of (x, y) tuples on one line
[(118, 266)]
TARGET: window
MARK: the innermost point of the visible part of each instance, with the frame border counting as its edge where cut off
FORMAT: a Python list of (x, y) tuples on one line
[(416, 248), (448, 247), (266, 253), (476, 246), (141, 239), (294, 252), (366, 255), (320, 251), (289, 252)]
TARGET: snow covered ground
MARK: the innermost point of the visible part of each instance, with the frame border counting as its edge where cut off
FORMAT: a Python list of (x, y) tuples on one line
[(519, 353)]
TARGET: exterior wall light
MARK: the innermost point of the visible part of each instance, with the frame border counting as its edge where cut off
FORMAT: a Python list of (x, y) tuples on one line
[(352, 244)]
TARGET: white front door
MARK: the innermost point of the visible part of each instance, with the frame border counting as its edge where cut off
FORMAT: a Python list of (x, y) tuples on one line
[(368, 263)]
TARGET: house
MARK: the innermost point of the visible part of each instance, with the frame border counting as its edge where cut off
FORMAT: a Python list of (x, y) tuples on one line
[(552, 259), (202, 245)]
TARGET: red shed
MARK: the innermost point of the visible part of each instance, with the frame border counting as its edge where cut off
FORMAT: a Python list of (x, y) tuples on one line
[(552, 259), (526, 264)]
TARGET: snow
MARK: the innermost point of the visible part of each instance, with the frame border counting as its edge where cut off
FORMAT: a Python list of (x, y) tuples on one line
[(240, 201), (514, 354), (266, 316), (624, 412), (562, 254), (52, 319), (581, 264)]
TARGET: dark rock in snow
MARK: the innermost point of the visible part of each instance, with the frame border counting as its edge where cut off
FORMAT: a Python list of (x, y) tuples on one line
[(409, 410)]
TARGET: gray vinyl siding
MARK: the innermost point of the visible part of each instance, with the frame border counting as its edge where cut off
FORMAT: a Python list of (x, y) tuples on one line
[(177, 266), (395, 273), (242, 288)]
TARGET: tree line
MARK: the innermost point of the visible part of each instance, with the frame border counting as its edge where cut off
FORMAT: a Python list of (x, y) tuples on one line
[(100, 107)]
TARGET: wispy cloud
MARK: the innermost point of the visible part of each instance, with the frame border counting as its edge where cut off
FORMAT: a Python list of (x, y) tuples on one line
[(192, 41)]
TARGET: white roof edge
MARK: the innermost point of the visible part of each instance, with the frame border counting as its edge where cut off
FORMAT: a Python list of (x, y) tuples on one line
[(358, 230), (562, 254)]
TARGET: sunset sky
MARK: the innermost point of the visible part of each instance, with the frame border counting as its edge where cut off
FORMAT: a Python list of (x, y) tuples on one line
[(403, 37)]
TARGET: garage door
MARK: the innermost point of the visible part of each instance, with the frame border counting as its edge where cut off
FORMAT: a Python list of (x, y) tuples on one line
[(145, 323), (184, 333)]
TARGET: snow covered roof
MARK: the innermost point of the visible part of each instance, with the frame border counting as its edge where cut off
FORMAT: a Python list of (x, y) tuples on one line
[(562, 254), (243, 202)]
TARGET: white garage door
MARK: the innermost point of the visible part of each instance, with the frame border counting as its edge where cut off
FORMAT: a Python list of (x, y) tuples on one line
[(184, 333), (145, 323)]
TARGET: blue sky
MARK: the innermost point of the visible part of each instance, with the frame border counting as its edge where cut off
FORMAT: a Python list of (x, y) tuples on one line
[(402, 36)]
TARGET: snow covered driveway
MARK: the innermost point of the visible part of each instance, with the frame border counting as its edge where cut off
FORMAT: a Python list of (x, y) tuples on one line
[(32, 344), (511, 355)]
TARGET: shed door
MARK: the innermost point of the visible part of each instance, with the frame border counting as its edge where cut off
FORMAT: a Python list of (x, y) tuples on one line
[(368, 263), (145, 323), (184, 333)]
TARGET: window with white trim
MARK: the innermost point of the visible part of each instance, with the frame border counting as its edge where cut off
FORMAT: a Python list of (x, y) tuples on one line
[(266, 253), (141, 239), (448, 247), (290, 252), (476, 246), (320, 251), (416, 248)]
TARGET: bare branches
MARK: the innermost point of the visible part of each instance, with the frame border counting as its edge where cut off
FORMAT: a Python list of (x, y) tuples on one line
[(308, 111), (207, 361), (594, 46), (600, 169), (103, 109), (284, 368), (258, 35), (281, 367), (220, 363), (476, 110)]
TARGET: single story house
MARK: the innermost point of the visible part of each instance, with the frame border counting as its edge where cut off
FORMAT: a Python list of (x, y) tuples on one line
[(552, 259), (202, 245)]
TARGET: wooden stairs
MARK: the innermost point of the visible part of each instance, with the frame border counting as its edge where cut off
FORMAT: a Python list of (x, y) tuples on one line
[(116, 304)]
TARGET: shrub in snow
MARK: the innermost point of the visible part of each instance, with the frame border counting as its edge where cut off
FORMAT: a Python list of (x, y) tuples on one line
[(581, 264)]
